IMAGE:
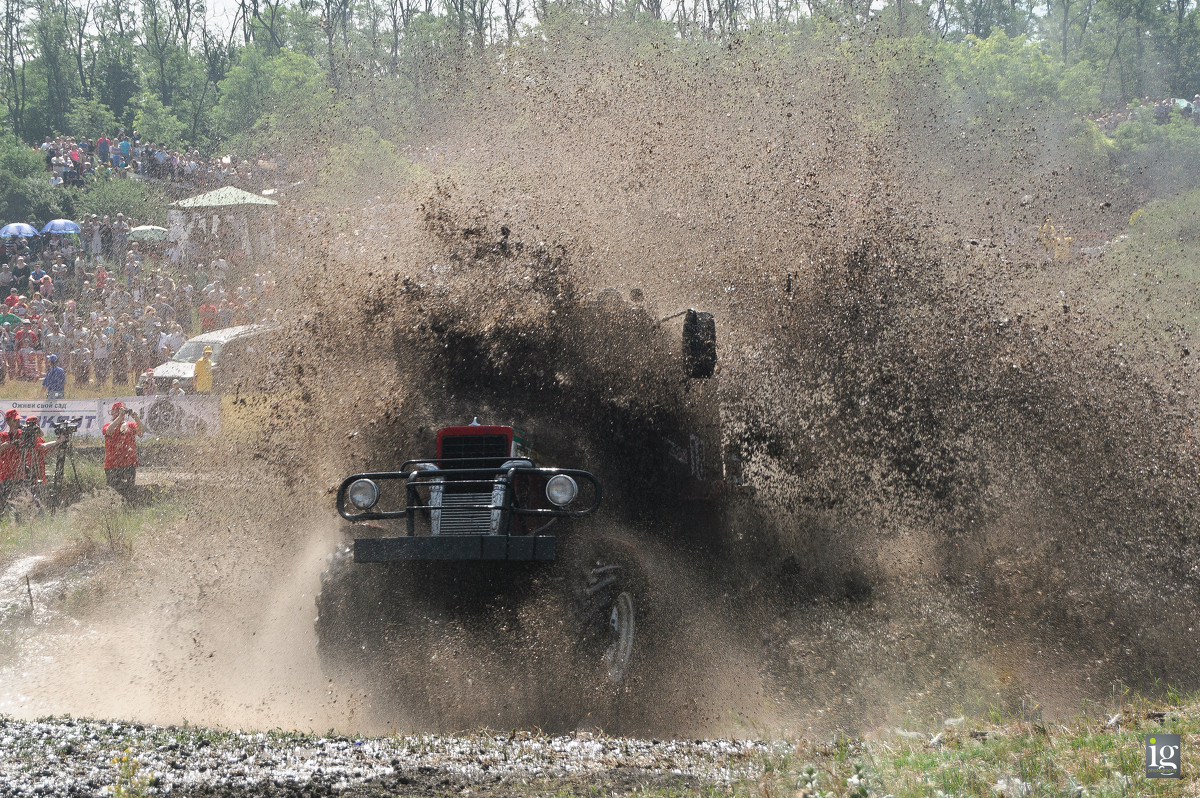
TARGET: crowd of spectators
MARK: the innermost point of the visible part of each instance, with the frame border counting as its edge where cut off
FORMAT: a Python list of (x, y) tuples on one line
[(73, 161), (1162, 110), (108, 308)]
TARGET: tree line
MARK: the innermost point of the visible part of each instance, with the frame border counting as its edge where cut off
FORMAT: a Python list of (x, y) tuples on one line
[(182, 77)]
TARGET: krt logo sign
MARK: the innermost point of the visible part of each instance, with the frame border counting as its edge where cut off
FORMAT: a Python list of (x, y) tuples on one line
[(1164, 757)]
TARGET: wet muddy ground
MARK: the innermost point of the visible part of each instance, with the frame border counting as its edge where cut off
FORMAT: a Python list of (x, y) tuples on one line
[(78, 757)]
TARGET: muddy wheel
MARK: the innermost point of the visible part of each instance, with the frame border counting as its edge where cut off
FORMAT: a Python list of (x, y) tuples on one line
[(347, 599), (619, 654), (613, 603), (373, 637)]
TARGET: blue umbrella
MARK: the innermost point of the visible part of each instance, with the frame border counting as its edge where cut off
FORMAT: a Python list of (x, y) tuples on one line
[(18, 229), (60, 226)]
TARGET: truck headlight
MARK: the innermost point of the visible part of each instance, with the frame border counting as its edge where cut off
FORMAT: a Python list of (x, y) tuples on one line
[(363, 493), (561, 489)]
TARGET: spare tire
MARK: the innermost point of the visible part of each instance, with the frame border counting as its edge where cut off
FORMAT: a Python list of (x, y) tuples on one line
[(700, 344)]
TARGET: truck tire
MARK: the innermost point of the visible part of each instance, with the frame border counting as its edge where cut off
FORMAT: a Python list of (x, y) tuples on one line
[(374, 639), (347, 599), (613, 610)]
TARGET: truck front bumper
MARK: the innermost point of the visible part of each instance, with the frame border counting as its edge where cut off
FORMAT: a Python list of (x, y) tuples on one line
[(467, 548)]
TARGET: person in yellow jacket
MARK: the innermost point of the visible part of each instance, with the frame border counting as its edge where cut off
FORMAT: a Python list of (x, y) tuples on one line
[(204, 372)]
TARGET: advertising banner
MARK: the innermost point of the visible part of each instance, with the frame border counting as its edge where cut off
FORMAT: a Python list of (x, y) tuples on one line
[(86, 411), (174, 416), (180, 416)]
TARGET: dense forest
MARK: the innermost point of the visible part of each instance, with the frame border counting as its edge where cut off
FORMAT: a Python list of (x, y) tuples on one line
[(183, 76), (340, 85)]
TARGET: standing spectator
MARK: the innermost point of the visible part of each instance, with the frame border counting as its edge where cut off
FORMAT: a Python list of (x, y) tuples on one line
[(174, 340), (80, 361), (166, 312), (54, 342), (60, 269), (10, 456), (149, 384), (70, 320), (55, 382), (118, 354), (9, 343), (120, 449), (208, 317), (6, 350), (162, 343), (97, 239), (100, 355), (106, 236), (140, 354), (203, 379), (133, 268), (26, 339), (120, 234), (150, 324)]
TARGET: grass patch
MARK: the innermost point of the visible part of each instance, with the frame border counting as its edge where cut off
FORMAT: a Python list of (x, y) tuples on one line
[(99, 524), (29, 390), (1155, 279), (1098, 753)]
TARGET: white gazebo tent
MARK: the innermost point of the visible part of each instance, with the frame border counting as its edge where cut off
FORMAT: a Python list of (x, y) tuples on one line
[(227, 221)]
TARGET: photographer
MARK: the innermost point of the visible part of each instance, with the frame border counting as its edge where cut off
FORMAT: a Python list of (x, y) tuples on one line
[(120, 449), (34, 448), (10, 456)]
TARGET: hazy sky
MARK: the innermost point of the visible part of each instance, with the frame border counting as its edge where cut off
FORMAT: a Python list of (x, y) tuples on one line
[(221, 14)]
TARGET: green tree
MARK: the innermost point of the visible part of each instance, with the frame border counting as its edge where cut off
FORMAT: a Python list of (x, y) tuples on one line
[(90, 118), (279, 95), (157, 123), (25, 191)]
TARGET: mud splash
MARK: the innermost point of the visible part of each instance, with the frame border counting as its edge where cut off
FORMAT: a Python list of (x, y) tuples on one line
[(962, 485)]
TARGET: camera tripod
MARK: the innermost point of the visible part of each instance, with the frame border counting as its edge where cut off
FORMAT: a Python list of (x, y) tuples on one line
[(64, 453), (28, 494)]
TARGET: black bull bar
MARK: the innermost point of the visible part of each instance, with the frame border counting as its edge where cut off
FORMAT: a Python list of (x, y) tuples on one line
[(498, 480)]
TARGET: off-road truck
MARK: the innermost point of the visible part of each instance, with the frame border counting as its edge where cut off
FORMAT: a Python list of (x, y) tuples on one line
[(482, 523)]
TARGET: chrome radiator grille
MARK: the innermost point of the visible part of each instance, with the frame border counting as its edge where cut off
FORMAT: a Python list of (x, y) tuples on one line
[(461, 514)]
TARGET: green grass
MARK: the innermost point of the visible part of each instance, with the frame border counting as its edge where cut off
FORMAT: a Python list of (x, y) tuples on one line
[(1153, 282), (1097, 753), (100, 522), (29, 390)]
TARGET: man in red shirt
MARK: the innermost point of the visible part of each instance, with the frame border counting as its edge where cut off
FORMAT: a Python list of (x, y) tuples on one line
[(23, 457), (9, 455), (34, 453), (208, 317), (120, 449)]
